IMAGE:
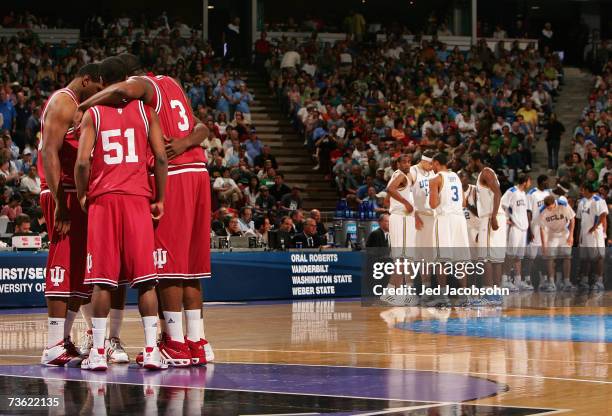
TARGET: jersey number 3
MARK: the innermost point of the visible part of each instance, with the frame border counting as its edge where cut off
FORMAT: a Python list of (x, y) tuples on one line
[(113, 151), (455, 191), (183, 125)]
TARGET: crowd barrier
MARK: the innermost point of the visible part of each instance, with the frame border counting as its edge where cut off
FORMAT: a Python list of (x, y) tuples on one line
[(236, 276)]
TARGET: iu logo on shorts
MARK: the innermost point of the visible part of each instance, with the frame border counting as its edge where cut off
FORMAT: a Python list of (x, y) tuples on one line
[(89, 262), (160, 257), (57, 275)]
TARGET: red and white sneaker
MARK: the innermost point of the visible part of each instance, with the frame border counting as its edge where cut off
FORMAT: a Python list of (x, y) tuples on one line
[(74, 352), (152, 359), (86, 343), (196, 349), (174, 353), (58, 356), (96, 360), (115, 352)]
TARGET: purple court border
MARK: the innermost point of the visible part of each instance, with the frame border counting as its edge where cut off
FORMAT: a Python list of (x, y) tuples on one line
[(370, 383)]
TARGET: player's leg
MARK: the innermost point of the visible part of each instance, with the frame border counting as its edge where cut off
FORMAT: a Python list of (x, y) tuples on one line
[(199, 267), (148, 308), (171, 257), (173, 347), (114, 348), (57, 292), (101, 306)]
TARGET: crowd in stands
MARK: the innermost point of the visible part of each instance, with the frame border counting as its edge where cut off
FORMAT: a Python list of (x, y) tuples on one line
[(589, 158), (243, 171), (359, 105)]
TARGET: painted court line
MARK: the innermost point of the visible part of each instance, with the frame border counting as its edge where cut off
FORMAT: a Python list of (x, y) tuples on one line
[(398, 354)]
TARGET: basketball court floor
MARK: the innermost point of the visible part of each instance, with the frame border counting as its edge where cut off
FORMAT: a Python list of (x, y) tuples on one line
[(538, 356)]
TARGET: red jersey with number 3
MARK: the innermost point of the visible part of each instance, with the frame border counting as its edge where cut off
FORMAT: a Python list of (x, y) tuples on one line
[(175, 115), (68, 151), (119, 156)]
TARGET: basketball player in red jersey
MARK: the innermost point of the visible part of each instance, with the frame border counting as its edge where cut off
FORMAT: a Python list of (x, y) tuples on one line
[(182, 237), (64, 288), (113, 186)]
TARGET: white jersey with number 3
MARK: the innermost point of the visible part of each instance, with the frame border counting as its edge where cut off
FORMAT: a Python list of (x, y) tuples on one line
[(451, 194)]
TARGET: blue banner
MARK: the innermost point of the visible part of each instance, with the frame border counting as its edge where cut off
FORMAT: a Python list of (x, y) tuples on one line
[(236, 276)]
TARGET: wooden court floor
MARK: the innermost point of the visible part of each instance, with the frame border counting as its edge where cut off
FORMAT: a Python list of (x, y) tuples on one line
[(554, 373)]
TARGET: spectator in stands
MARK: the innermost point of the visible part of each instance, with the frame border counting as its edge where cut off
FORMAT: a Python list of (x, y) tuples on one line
[(233, 41), (262, 228), (13, 208), (251, 192), (264, 202), (308, 238), (30, 183), (7, 110), (315, 214), (254, 147), (554, 131), (279, 189), (380, 237), (231, 228), (22, 224), (286, 224), (242, 100), (264, 156), (263, 50), (245, 221), (292, 201), (291, 59), (297, 221), (226, 188), (38, 225)]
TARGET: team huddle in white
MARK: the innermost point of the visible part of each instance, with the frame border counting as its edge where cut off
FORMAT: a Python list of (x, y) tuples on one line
[(436, 215)]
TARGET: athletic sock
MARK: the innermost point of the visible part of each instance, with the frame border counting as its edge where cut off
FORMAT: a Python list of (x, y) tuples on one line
[(55, 331), (195, 324), (114, 323), (150, 330), (162, 326), (87, 312), (517, 278), (70, 317), (174, 325), (98, 330), (599, 279), (528, 279)]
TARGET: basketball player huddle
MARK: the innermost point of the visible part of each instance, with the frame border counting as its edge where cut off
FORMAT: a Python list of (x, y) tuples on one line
[(437, 215), (126, 196)]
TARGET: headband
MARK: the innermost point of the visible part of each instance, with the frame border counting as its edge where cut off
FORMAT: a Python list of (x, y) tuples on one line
[(562, 188), (426, 159)]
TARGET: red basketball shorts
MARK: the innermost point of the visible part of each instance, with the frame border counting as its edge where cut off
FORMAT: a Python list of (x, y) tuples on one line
[(182, 236), (120, 241), (66, 261)]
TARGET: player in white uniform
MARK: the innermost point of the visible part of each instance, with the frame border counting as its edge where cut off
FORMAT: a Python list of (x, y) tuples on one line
[(514, 203), (556, 222), (401, 225), (470, 212), (492, 230), (535, 201), (593, 215), (420, 175), (450, 228)]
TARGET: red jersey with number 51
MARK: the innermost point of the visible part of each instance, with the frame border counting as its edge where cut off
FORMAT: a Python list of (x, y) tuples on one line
[(175, 116), (119, 156)]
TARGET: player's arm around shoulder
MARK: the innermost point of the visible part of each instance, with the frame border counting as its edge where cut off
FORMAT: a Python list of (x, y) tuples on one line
[(156, 141), (83, 163)]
